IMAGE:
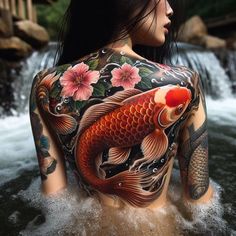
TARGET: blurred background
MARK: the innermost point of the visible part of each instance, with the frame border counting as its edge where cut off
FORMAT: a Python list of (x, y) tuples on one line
[(28, 39)]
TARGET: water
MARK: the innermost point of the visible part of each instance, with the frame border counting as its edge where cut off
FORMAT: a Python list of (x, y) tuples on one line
[(25, 211)]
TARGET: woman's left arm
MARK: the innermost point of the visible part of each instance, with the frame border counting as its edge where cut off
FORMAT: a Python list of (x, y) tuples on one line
[(50, 156)]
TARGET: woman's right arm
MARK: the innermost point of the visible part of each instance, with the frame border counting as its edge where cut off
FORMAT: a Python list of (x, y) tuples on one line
[(193, 153), (50, 157)]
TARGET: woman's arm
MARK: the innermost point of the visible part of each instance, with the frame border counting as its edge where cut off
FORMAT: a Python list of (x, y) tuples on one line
[(50, 157), (193, 154)]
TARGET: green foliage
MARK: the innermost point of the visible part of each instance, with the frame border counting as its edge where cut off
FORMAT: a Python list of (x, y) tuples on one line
[(50, 16)]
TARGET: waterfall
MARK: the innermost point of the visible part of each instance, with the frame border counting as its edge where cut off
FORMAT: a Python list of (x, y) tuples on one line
[(216, 80), (38, 61), (228, 61)]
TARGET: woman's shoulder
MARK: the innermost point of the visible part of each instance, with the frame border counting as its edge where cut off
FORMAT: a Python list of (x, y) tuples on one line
[(179, 71), (87, 62), (102, 70), (163, 74)]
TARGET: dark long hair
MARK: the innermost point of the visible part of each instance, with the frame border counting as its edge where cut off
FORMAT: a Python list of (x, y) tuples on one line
[(88, 26)]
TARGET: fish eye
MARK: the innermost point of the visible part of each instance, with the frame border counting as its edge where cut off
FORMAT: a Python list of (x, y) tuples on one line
[(179, 109)]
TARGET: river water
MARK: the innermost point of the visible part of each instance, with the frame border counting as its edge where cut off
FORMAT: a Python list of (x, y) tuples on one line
[(24, 211)]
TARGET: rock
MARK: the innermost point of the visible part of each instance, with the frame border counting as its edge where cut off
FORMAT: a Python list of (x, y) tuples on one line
[(212, 42), (32, 33), (8, 70), (14, 218), (234, 45), (14, 48), (6, 26), (231, 43), (192, 30)]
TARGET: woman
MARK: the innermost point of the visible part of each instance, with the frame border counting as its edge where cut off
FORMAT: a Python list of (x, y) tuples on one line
[(116, 116)]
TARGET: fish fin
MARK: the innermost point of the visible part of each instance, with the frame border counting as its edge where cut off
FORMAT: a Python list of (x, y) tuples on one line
[(155, 144), (109, 104), (117, 156), (49, 79), (122, 95), (100, 172), (93, 113), (62, 124), (150, 183), (89, 103), (153, 147)]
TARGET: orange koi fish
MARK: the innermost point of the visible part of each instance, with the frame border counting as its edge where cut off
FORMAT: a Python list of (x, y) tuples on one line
[(128, 118)]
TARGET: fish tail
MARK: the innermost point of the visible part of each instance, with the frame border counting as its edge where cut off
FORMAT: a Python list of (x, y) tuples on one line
[(128, 186)]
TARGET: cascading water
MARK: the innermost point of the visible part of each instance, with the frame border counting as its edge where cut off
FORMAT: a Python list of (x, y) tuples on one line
[(28, 212), (37, 62), (216, 81)]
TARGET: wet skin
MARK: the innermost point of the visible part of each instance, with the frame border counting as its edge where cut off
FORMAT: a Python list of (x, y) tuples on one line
[(119, 122)]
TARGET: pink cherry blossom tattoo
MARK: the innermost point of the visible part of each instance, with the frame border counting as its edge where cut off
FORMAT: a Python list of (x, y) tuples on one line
[(126, 76), (77, 80)]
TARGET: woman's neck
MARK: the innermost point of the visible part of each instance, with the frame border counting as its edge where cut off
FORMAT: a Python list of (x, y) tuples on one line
[(124, 46)]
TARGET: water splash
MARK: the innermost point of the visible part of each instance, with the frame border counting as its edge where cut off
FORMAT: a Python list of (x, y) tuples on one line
[(17, 151), (221, 111), (71, 213)]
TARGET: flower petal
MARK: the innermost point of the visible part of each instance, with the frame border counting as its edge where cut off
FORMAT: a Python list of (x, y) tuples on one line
[(91, 77), (67, 77), (80, 68), (68, 91), (83, 93), (126, 76), (117, 72)]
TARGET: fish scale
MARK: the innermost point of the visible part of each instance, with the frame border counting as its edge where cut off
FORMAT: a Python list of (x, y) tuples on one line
[(107, 130), (123, 123), (126, 119)]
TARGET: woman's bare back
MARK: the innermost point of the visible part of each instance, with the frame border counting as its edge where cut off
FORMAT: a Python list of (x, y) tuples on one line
[(119, 122)]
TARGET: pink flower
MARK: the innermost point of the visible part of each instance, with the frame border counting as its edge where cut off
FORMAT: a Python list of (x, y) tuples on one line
[(126, 76), (77, 80)]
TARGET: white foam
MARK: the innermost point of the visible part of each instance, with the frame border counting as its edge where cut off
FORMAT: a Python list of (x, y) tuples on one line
[(17, 150), (222, 111), (70, 213), (201, 219)]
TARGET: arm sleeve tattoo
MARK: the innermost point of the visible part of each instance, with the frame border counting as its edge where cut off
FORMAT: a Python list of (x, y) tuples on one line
[(193, 152), (47, 163)]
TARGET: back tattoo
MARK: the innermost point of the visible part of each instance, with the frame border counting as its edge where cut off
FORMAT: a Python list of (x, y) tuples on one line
[(117, 119)]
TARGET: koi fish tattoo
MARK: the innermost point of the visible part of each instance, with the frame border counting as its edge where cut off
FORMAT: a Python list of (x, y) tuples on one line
[(117, 119)]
